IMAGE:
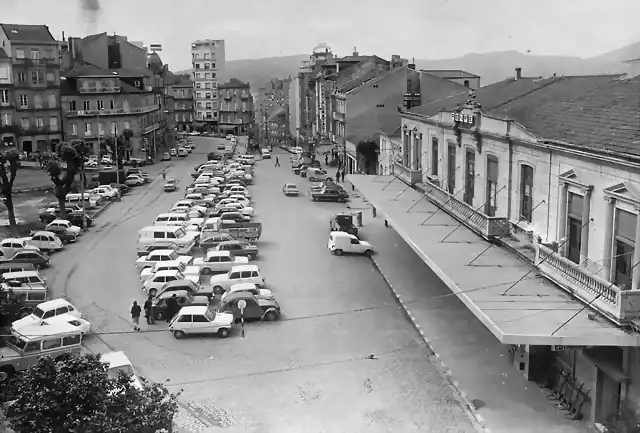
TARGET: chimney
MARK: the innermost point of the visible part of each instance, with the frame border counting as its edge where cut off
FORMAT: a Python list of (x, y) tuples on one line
[(412, 65), (355, 52), (518, 73), (63, 36)]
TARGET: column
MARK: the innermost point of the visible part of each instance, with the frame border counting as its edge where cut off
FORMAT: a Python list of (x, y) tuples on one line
[(635, 272), (586, 225), (608, 238), (562, 217)]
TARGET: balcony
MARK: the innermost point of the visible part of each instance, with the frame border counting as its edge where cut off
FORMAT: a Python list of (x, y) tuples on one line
[(407, 175), (338, 116), (114, 112), (486, 226), (32, 107), (244, 96), (228, 97), (148, 129), (37, 62), (616, 304), (111, 89)]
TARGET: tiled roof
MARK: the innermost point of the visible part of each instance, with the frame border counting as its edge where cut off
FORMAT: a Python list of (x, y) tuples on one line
[(234, 83), (27, 32), (450, 73), (358, 59), (86, 69), (358, 81)]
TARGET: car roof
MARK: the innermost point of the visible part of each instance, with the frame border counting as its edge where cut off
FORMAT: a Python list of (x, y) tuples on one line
[(13, 240), (213, 253), (59, 220), (167, 251), (194, 309), (115, 359), (167, 272), (46, 328), (243, 286), (16, 265), (54, 303), (169, 263), (240, 268), (238, 295), (170, 294), (20, 274), (179, 283), (231, 241)]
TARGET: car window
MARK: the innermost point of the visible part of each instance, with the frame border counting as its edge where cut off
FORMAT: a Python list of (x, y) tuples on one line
[(355, 241), (254, 274), (32, 346), (234, 275), (185, 318), (171, 278), (159, 279), (71, 340), (214, 259), (158, 235), (198, 318), (70, 307), (61, 310), (225, 258), (246, 274), (52, 343), (34, 279), (251, 302), (49, 314)]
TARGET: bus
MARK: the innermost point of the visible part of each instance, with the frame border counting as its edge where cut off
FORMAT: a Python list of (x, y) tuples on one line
[(25, 347)]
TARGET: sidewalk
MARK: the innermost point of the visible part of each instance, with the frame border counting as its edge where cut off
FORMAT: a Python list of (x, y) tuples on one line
[(479, 364)]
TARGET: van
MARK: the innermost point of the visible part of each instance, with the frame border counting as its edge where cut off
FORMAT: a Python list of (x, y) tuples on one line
[(315, 174), (76, 198), (171, 236), (247, 159), (247, 169), (341, 242), (171, 219)]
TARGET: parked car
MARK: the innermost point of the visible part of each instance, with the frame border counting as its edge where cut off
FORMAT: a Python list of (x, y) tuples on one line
[(332, 195), (119, 362), (188, 285), (218, 261), (161, 255), (50, 311), (106, 191), (61, 232), (237, 274), (10, 246), (248, 288), (173, 152), (155, 282), (343, 222), (341, 242), (170, 185), (45, 241), (290, 190), (239, 248), (266, 154), (210, 240), (34, 257), (66, 224), (255, 308), (183, 298), (187, 270), (51, 213), (134, 180), (166, 156), (200, 319)]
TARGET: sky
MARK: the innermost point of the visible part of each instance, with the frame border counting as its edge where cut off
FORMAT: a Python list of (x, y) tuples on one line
[(425, 29)]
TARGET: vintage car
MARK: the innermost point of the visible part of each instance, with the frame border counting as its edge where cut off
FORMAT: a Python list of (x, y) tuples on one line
[(290, 190), (254, 308), (170, 185)]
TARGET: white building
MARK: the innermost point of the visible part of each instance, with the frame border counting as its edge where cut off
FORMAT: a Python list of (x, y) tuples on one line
[(208, 63), (294, 107)]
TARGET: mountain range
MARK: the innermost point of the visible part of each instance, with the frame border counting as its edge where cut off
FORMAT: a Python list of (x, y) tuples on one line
[(491, 67)]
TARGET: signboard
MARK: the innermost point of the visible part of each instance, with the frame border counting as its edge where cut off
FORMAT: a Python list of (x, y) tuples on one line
[(559, 348), (465, 119), (155, 47)]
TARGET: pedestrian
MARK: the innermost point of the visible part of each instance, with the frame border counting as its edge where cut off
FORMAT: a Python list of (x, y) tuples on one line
[(148, 310), (172, 307), (338, 175), (277, 162), (135, 315), (342, 176), (326, 159), (164, 174)]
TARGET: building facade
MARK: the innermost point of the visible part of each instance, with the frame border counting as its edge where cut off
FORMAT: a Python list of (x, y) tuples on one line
[(98, 103), (35, 67), (537, 166), (236, 107), (294, 108), (9, 130), (180, 102), (208, 63)]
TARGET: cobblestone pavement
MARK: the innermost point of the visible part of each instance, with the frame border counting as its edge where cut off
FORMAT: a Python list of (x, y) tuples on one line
[(342, 359)]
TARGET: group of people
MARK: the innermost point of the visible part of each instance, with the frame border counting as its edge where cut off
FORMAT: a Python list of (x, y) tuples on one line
[(172, 309)]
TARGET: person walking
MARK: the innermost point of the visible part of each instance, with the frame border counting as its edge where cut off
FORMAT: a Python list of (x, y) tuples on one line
[(135, 315), (148, 310), (277, 162), (342, 176), (326, 159), (172, 307), (338, 175)]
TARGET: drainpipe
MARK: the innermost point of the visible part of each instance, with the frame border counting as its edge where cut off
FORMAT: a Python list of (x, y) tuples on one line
[(549, 195), (510, 179)]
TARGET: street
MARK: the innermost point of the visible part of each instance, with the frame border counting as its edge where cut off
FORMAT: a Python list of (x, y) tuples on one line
[(343, 358)]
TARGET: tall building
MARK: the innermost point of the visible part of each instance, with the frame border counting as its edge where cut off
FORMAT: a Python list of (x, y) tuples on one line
[(30, 96), (236, 107), (208, 63), (179, 94)]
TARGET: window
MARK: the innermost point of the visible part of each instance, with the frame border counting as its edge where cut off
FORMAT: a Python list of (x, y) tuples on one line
[(39, 122), (213, 75), (185, 319), (125, 105), (197, 65), (213, 66), (86, 105), (71, 340), (206, 76), (72, 105), (526, 193), (100, 104), (466, 83), (4, 96), (22, 77), (417, 151), (87, 128), (35, 54), (470, 176), (32, 346), (51, 77), (197, 318), (101, 128), (19, 54), (74, 129), (207, 85), (182, 93), (574, 226), (112, 128), (24, 101), (6, 119), (434, 156), (53, 123), (24, 122), (52, 343), (623, 248), (37, 77), (207, 66), (197, 85), (451, 168), (491, 201), (52, 100), (37, 101), (406, 150), (136, 83)]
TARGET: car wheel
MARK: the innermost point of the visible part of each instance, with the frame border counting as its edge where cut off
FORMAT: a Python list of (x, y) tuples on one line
[(153, 292), (368, 253), (178, 334), (271, 316), (159, 315), (218, 290), (338, 252), (223, 332), (5, 373)]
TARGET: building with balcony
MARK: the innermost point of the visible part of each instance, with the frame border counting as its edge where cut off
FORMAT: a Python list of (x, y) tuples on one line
[(523, 199), (9, 131), (98, 103), (277, 133), (236, 107), (208, 64), (294, 108), (159, 73), (179, 95), (35, 67)]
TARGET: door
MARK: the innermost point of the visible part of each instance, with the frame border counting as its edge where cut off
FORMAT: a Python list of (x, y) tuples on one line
[(252, 310), (470, 177), (202, 325), (451, 169), (354, 246), (574, 239)]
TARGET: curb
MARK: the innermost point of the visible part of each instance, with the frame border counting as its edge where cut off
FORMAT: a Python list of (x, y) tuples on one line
[(36, 189), (102, 209), (445, 372)]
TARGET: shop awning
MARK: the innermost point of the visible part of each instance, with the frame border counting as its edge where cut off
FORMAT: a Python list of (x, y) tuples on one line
[(517, 305), (227, 127)]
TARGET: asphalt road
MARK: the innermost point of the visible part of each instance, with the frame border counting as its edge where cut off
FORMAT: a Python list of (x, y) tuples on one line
[(309, 372)]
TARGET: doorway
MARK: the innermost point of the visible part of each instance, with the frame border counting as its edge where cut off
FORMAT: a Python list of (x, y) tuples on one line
[(451, 169), (574, 226)]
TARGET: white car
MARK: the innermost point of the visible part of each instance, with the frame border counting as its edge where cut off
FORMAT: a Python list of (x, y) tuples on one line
[(91, 164), (243, 200), (187, 204), (45, 241), (173, 152), (187, 270), (218, 261), (70, 228), (154, 257), (238, 274), (134, 180), (84, 326), (160, 278), (239, 207), (118, 362), (105, 191), (200, 319), (106, 160), (10, 246), (248, 288), (51, 311), (341, 242)]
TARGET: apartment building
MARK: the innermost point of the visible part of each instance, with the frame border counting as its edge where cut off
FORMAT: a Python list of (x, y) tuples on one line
[(179, 93), (236, 107), (9, 131), (208, 63), (34, 121)]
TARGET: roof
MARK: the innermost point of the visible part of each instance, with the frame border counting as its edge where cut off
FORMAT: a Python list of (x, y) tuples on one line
[(358, 59), (41, 329), (86, 69), (450, 73), (597, 111), (212, 253), (348, 86), (245, 268), (27, 33), (115, 359), (237, 295), (3, 54), (167, 251), (234, 83), (179, 283), (278, 111), (194, 309), (245, 286), (54, 303), (167, 272)]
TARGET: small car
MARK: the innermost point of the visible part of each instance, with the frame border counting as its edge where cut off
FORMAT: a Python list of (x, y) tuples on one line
[(34, 257), (342, 242), (160, 278), (166, 157), (184, 299), (200, 319), (217, 261), (212, 239), (290, 190), (182, 152), (266, 154), (66, 224), (51, 213), (51, 311), (10, 246), (255, 309), (106, 160), (173, 152), (170, 185), (61, 232), (237, 274), (45, 241), (105, 191), (134, 180), (343, 222), (332, 195), (239, 248), (248, 288), (118, 362)]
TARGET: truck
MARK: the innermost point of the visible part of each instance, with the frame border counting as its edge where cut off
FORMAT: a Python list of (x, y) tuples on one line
[(343, 222), (107, 177), (244, 230)]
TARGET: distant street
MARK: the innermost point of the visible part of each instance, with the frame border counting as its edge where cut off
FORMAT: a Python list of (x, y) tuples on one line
[(342, 359)]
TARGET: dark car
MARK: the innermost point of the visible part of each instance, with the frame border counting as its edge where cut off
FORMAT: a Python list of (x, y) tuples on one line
[(176, 286), (36, 258), (343, 222), (211, 156), (120, 186), (330, 194), (212, 239), (183, 297), (255, 309), (52, 213), (239, 248)]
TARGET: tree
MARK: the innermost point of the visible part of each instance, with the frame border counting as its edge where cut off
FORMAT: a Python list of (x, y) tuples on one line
[(63, 170), (9, 164), (74, 393)]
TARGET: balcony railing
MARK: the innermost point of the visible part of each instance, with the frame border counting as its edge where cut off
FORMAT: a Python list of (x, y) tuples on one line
[(109, 89), (486, 226), (114, 112), (406, 174), (150, 128), (610, 300), (338, 115), (43, 61)]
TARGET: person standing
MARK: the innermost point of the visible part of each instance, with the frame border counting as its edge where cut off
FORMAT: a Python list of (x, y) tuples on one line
[(148, 310), (326, 159), (277, 162), (135, 315), (338, 176), (172, 307), (342, 176)]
